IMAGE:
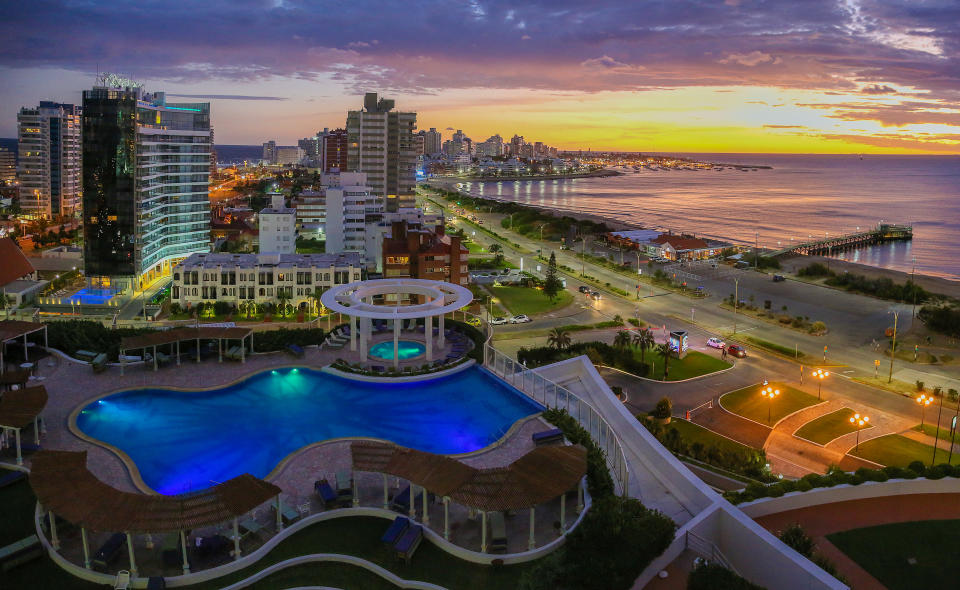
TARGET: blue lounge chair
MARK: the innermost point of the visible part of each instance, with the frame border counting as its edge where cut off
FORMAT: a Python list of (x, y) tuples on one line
[(295, 350), (326, 493), (12, 478), (407, 544), (396, 530), (109, 551), (401, 502), (547, 437)]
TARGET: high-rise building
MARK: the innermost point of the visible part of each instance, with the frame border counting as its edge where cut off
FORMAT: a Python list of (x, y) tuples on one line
[(270, 152), (278, 231), (50, 160), (419, 143), (146, 202), (350, 203), (381, 145), (8, 167), (213, 154), (333, 150), (432, 142), (311, 150)]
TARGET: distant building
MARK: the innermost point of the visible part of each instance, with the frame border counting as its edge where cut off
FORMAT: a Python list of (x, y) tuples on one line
[(312, 214), (50, 161), (278, 230), (8, 167), (146, 178), (289, 155), (432, 142), (424, 254), (333, 150), (311, 150), (270, 152), (259, 278), (380, 144), (350, 201), (670, 246)]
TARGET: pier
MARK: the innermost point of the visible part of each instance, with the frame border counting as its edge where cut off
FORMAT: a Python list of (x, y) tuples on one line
[(884, 232)]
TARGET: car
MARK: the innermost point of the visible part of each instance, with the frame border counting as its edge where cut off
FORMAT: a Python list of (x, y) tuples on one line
[(595, 295), (474, 322), (779, 278), (584, 289), (519, 319), (737, 351), (498, 321), (715, 343)]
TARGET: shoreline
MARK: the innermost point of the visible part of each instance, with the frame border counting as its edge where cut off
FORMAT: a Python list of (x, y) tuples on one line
[(605, 173)]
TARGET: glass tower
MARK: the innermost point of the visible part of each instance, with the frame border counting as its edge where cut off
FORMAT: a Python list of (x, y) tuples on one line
[(146, 184)]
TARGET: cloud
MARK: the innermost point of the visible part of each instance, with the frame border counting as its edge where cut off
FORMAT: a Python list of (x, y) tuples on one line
[(877, 89), (893, 115), (784, 127), (228, 96), (949, 143), (607, 62), (754, 58)]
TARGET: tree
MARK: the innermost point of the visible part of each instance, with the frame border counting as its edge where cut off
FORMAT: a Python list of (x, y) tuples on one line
[(282, 297), (621, 340), (315, 296), (552, 285), (643, 340), (663, 409), (664, 351), (559, 339), (497, 251)]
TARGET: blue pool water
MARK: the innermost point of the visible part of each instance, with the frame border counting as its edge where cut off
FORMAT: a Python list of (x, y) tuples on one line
[(91, 296), (184, 441), (406, 349)]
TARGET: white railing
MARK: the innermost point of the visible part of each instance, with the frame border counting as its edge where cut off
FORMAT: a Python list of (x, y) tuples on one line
[(551, 395), (708, 550)]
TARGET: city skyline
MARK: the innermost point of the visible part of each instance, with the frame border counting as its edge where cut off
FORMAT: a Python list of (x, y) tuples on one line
[(842, 77)]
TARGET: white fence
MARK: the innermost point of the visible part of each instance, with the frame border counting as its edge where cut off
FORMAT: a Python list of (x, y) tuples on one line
[(551, 395)]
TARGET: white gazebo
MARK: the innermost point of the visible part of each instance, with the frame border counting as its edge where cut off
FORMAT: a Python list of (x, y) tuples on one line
[(356, 300)]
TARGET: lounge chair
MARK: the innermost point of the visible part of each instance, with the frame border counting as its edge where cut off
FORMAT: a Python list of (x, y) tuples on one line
[(123, 580), (396, 530), (162, 359), (408, 542), (401, 502), (344, 482), (547, 437), (12, 478), (234, 353), (288, 513), (498, 533), (85, 355), (21, 552), (326, 493), (250, 526), (295, 350), (109, 551), (99, 363)]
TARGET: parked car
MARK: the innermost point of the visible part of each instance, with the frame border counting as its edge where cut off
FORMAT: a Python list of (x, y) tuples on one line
[(498, 321), (519, 319), (737, 351), (584, 289), (595, 295), (474, 322), (779, 278), (715, 343)]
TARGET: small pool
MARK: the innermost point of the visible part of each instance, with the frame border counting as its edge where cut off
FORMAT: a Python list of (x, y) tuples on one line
[(91, 296), (182, 441), (406, 349)]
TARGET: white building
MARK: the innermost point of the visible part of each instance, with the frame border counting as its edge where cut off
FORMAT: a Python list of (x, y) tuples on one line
[(260, 278), (381, 144), (50, 169), (350, 204), (312, 214), (278, 230), (289, 155)]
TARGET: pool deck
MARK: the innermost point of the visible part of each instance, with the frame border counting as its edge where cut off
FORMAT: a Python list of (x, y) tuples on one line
[(71, 384)]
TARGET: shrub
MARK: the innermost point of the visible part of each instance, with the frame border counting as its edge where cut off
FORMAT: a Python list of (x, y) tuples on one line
[(713, 576), (818, 327), (795, 537), (917, 467), (663, 409), (271, 340), (815, 269)]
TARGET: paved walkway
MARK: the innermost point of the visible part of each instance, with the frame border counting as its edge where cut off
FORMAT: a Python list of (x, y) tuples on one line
[(819, 521)]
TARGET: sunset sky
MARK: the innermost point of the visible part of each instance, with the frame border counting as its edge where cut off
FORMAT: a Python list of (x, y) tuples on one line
[(826, 76)]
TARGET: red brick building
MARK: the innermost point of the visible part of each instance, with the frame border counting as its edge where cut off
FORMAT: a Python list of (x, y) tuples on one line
[(333, 152), (424, 254)]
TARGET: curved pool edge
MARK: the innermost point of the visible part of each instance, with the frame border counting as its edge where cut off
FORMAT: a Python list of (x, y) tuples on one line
[(141, 485), (329, 369)]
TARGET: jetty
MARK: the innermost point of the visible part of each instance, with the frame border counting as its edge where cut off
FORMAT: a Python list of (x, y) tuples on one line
[(884, 232)]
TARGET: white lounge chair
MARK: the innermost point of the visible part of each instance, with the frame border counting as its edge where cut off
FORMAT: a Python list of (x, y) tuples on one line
[(123, 580)]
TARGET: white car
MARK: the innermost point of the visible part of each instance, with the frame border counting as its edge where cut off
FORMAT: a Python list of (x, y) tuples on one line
[(498, 321), (716, 343), (519, 319)]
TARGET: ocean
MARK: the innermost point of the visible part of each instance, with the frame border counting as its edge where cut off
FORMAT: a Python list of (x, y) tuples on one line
[(801, 196)]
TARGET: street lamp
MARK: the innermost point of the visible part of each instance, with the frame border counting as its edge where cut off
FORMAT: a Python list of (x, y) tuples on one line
[(858, 421), (769, 393), (820, 374), (924, 401), (893, 345)]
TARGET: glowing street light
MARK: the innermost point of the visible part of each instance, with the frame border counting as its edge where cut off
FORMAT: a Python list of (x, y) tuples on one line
[(820, 375), (769, 393), (859, 421), (924, 401)]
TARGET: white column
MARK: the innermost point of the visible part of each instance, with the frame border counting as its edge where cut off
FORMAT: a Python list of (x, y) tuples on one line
[(236, 539), (279, 513), (133, 563), (483, 532), (428, 334), (441, 340), (356, 494), (396, 344), (413, 501), (198, 351), (183, 547), (16, 433), (532, 544), (353, 332), (563, 514), (86, 548), (426, 512), (53, 530), (446, 518), (364, 337), (386, 494)]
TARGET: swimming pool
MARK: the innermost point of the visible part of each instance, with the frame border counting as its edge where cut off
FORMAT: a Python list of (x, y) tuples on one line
[(186, 440), (406, 349), (91, 296)]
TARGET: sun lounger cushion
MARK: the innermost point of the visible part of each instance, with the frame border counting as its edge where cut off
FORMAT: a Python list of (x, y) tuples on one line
[(397, 528), (408, 542), (109, 551), (326, 493), (295, 350), (547, 436)]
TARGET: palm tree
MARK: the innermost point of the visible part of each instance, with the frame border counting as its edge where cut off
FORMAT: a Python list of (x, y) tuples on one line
[(621, 340), (559, 339), (664, 351), (283, 297), (497, 251), (315, 296), (643, 340)]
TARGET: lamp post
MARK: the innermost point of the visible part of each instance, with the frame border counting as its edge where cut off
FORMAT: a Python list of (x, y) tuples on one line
[(736, 301), (924, 401), (858, 421), (820, 374), (769, 393), (893, 345)]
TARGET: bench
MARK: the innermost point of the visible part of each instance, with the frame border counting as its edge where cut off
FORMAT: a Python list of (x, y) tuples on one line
[(99, 363), (20, 552), (396, 530), (547, 437)]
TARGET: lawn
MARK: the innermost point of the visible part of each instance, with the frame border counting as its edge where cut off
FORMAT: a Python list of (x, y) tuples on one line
[(475, 248), (900, 451), (693, 365), (692, 433), (884, 552), (529, 301), (829, 426), (748, 402)]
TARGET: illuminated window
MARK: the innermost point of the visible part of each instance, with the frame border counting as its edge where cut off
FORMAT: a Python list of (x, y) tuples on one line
[(111, 217)]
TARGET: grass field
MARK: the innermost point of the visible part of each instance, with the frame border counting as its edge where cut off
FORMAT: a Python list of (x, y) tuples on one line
[(900, 451), (693, 365), (692, 433), (884, 552), (829, 426), (748, 402), (529, 301), (475, 248)]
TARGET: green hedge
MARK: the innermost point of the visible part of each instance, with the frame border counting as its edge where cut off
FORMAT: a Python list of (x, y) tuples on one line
[(271, 340), (598, 352), (713, 576), (750, 463), (837, 477), (72, 335)]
